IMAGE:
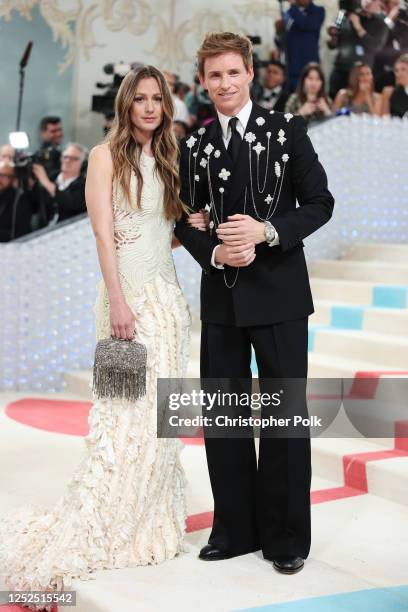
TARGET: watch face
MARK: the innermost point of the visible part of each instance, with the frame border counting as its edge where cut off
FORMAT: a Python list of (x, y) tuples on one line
[(269, 233)]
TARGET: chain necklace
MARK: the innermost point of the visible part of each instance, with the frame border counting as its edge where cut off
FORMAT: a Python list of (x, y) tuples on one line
[(218, 220), (279, 175), (271, 201)]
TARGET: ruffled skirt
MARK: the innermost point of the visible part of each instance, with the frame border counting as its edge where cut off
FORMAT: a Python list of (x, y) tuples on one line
[(125, 503)]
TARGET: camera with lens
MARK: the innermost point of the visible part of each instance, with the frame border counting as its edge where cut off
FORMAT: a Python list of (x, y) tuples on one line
[(24, 160), (105, 103)]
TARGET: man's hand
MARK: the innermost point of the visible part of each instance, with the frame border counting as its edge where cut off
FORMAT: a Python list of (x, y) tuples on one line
[(236, 256), (240, 230), (394, 12)]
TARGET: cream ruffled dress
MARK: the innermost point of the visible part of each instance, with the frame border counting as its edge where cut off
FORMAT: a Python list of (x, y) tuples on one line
[(125, 503)]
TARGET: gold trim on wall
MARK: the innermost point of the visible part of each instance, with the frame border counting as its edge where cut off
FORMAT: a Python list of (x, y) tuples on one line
[(74, 28)]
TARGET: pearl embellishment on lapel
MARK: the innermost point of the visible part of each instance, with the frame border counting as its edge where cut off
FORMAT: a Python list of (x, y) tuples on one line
[(224, 174)]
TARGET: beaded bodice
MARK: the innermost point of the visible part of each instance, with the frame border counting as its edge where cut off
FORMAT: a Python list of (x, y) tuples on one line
[(143, 236)]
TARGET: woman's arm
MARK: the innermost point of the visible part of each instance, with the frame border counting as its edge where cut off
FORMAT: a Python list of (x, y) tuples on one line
[(373, 102), (339, 100), (199, 220), (377, 105), (98, 196)]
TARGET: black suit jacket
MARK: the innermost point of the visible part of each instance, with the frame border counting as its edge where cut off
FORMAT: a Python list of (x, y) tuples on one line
[(69, 202), (275, 287), (22, 215)]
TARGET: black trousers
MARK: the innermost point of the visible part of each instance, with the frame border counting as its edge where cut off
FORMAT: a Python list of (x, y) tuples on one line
[(266, 505)]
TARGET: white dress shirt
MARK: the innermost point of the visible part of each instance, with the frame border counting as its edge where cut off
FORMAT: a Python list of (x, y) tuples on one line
[(62, 183), (243, 118), (270, 97)]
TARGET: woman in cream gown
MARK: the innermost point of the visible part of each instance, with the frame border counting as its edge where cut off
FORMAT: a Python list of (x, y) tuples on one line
[(125, 503)]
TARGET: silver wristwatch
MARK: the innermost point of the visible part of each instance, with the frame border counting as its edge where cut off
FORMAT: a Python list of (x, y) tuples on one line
[(269, 233)]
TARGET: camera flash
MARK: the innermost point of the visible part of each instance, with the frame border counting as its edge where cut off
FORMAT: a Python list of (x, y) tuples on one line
[(19, 140)]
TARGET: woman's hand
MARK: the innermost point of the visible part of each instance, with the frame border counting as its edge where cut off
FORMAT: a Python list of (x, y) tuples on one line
[(122, 320), (200, 220), (308, 108), (323, 106), (365, 88)]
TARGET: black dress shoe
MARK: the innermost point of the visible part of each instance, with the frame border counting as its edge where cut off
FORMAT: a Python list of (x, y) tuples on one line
[(288, 565), (211, 553)]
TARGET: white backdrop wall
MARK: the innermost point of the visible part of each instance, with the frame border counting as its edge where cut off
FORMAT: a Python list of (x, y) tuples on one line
[(165, 33), (87, 34)]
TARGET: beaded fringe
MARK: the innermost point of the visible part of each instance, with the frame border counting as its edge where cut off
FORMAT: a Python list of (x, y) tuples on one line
[(113, 383)]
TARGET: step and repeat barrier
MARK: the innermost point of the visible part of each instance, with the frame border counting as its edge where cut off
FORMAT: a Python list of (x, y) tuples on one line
[(48, 281)]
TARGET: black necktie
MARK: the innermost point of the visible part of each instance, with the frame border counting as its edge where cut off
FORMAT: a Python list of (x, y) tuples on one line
[(235, 140)]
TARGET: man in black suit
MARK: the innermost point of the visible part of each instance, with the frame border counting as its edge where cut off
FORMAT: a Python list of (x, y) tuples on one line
[(248, 168), (273, 94), (51, 136), (64, 191), (15, 208)]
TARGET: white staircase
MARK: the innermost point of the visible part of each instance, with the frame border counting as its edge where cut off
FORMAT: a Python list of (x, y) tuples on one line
[(350, 333)]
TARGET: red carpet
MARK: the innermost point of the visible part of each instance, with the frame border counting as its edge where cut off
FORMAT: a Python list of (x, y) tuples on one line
[(58, 416), (70, 417)]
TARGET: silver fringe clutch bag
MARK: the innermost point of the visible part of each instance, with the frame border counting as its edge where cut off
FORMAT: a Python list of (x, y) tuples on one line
[(119, 370)]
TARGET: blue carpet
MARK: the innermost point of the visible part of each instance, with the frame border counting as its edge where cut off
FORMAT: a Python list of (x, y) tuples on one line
[(392, 599)]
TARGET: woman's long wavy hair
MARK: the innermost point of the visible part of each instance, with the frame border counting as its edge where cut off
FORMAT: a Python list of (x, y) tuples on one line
[(126, 151), (301, 92), (354, 79)]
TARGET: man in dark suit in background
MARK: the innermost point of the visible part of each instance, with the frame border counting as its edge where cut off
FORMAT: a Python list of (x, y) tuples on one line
[(298, 36), (15, 208), (51, 135), (248, 168), (273, 94), (64, 191)]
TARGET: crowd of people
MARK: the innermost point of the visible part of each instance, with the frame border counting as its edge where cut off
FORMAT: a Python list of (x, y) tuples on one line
[(44, 188), (369, 75)]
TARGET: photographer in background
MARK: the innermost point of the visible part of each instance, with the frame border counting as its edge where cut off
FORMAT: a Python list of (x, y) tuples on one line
[(15, 214), (49, 153), (180, 130), (397, 43), (180, 109), (7, 153), (199, 105), (65, 192), (108, 122), (359, 37), (273, 94), (299, 35)]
